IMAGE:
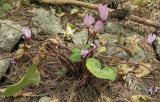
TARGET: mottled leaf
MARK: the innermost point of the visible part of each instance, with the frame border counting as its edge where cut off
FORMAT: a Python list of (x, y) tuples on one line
[(94, 66)]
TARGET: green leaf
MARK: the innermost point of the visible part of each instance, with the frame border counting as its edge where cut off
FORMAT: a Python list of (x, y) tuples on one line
[(75, 10), (7, 7), (94, 66), (32, 76), (76, 50), (76, 55)]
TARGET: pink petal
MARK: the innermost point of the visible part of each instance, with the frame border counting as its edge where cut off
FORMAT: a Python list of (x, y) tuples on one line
[(151, 38), (88, 20), (103, 10), (98, 26), (93, 45), (153, 90), (84, 53), (26, 32)]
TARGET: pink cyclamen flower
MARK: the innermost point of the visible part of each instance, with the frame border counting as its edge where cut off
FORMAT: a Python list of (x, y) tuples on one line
[(103, 11), (88, 20), (98, 26), (26, 32), (93, 45), (13, 61), (153, 90), (84, 53), (151, 38)]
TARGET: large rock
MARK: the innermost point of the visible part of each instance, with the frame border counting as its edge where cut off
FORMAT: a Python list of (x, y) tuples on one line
[(48, 22), (10, 34), (133, 44), (4, 65), (130, 44), (116, 28), (113, 28), (80, 38), (111, 39)]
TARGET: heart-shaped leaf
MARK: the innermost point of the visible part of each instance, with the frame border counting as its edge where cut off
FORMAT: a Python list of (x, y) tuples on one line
[(94, 66), (76, 55), (32, 76)]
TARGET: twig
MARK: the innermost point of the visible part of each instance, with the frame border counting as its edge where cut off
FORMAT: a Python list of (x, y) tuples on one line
[(74, 2), (94, 6)]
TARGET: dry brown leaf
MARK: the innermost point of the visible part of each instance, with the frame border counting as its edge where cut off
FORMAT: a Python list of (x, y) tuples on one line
[(139, 98), (42, 51), (22, 48), (42, 72), (56, 40), (2, 90), (23, 94), (19, 53), (103, 39), (70, 30), (143, 70), (54, 99), (132, 44), (61, 14), (114, 60), (34, 10), (36, 60), (124, 69), (27, 94), (101, 49)]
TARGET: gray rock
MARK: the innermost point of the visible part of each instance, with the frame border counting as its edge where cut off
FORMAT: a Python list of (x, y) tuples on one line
[(10, 34), (80, 38), (4, 65), (116, 52), (46, 22), (124, 29), (110, 40), (113, 28), (113, 49), (135, 48), (45, 99)]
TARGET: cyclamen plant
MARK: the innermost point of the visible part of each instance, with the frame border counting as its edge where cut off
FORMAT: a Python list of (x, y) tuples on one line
[(86, 54)]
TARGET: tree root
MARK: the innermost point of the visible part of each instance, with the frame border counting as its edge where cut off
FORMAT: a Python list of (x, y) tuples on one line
[(94, 6)]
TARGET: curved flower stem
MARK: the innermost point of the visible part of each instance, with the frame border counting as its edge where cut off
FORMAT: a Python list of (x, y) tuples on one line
[(88, 36)]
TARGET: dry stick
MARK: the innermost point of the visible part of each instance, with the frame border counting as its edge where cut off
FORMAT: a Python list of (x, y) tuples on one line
[(74, 2), (94, 6)]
